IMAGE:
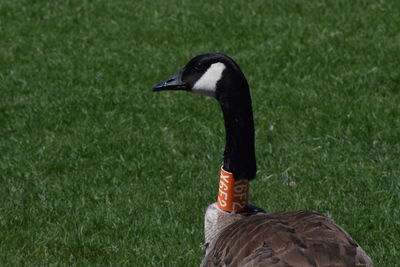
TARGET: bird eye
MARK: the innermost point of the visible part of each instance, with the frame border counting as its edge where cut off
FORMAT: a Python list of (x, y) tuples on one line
[(198, 66)]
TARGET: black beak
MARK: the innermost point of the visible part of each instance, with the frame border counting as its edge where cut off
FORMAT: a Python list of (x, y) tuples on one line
[(172, 83)]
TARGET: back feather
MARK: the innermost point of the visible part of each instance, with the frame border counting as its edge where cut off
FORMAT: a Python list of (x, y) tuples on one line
[(291, 238)]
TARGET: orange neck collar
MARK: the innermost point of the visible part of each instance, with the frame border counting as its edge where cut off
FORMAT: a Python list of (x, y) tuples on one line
[(232, 194)]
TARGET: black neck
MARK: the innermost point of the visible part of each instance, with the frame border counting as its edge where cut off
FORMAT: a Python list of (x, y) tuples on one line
[(239, 155)]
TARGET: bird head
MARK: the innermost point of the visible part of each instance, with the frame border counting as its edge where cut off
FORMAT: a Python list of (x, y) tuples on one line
[(214, 75)]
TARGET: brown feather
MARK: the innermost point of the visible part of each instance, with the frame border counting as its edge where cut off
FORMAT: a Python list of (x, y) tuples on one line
[(291, 238)]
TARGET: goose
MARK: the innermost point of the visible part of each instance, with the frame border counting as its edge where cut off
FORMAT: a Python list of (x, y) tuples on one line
[(238, 233)]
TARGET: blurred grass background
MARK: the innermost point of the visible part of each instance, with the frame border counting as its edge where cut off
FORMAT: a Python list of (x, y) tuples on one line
[(95, 169)]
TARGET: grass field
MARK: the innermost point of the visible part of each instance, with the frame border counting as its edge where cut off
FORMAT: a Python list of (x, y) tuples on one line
[(95, 169)]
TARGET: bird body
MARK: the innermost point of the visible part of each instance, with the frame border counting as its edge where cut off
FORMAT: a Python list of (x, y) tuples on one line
[(288, 238), (250, 236)]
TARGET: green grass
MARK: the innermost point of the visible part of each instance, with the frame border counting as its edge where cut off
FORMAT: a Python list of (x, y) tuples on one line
[(95, 169)]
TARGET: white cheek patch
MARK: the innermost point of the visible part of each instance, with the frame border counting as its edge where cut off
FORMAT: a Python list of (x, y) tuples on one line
[(207, 83)]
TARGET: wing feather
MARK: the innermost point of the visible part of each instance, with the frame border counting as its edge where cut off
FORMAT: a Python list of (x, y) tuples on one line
[(292, 238)]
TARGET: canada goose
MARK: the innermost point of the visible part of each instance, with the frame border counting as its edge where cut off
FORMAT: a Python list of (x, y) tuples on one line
[(236, 232)]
